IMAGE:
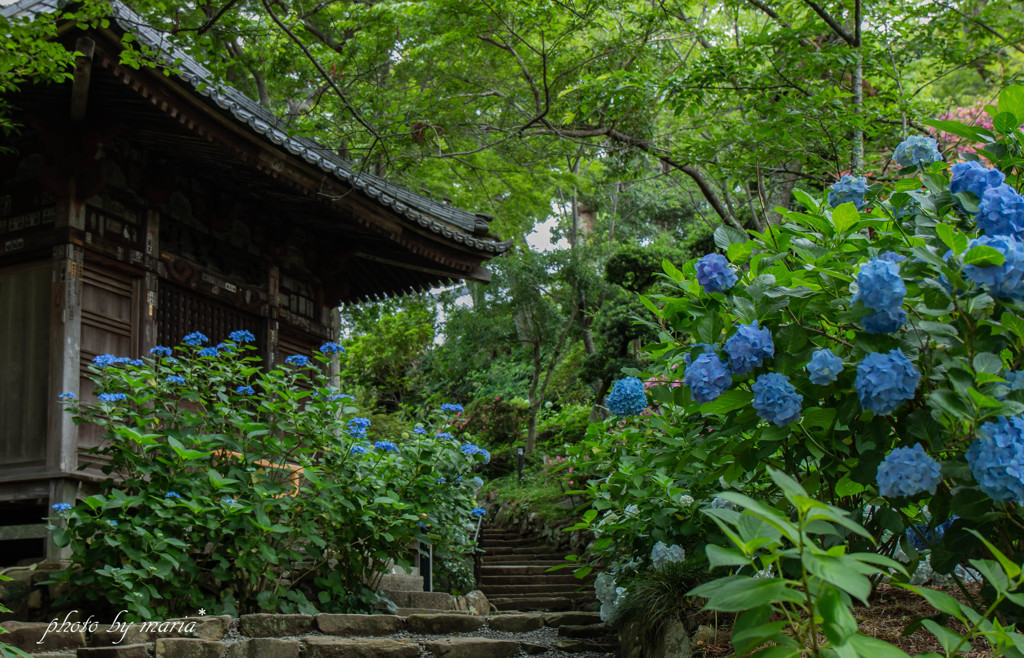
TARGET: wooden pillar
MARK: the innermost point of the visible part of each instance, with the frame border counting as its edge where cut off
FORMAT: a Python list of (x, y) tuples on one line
[(273, 313), (150, 284), (65, 341)]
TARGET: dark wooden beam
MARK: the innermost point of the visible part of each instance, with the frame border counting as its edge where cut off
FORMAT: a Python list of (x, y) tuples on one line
[(82, 76)]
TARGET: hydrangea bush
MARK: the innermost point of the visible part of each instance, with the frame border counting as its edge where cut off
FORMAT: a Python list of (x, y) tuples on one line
[(871, 344), (237, 488)]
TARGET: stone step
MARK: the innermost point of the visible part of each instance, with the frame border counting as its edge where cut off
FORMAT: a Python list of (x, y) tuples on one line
[(430, 600), (554, 578), (524, 561), (520, 541), (512, 570), (502, 590), (526, 549), (586, 632), (576, 596), (534, 603), (512, 557)]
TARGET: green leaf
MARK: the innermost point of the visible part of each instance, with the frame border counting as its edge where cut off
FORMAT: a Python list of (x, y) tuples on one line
[(1005, 122), (1011, 568), (838, 622), (984, 256), (948, 638), (845, 216), (1011, 101), (727, 235), (972, 133), (806, 200), (939, 600), (739, 252), (719, 556), (865, 645), (729, 401), (739, 593), (840, 571)]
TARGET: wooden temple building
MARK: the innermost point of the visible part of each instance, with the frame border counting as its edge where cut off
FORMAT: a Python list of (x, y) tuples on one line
[(136, 207)]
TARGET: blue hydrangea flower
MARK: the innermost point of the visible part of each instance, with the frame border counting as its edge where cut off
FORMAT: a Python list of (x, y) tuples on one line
[(996, 459), (419, 430), (880, 286), (824, 367), (385, 446), (627, 397), (714, 273), (339, 396), (225, 347), (175, 379), (229, 501), (477, 482), (172, 494), (112, 523), (112, 397), (245, 390), (357, 426), (138, 363), (160, 351), (486, 454), (916, 150), (67, 396), (974, 177), (931, 537), (748, 348), (478, 512), (440, 481), (452, 408), (1014, 382), (208, 352), (908, 472), (885, 381), (241, 336), (1001, 211), (708, 377), (775, 399), (104, 360), (61, 507), (891, 257), (848, 189), (444, 435), (1002, 280), (195, 338), (884, 322), (297, 360), (331, 348), (358, 450), (421, 524), (469, 449)]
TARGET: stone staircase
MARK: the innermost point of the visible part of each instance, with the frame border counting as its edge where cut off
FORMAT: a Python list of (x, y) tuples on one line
[(545, 635), (514, 575)]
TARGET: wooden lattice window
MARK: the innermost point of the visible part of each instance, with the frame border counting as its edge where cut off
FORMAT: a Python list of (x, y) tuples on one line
[(181, 311)]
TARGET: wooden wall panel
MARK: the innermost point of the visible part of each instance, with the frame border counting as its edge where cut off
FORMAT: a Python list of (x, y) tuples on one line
[(24, 363), (110, 324)]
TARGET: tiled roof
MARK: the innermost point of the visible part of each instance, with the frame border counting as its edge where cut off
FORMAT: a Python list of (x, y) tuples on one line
[(440, 218)]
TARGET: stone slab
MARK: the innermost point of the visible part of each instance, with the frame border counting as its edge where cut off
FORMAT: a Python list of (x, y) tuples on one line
[(472, 647), (443, 624), (326, 646), (270, 625), (182, 647), (35, 637), (516, 623), (575, 618), (359, 625), (584, 631), (120, 651), (265, 647)]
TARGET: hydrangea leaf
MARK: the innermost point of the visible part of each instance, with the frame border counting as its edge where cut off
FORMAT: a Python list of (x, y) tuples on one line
[(972, 133), (728, 401), (1005, 122), (1011, 99), (845, 216)]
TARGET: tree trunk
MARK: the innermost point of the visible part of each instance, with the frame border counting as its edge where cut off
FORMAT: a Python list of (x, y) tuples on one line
[(857, 155)]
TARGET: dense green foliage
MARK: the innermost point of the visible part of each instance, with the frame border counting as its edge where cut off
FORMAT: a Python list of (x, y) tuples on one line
[(810, 284), (238, 489)]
